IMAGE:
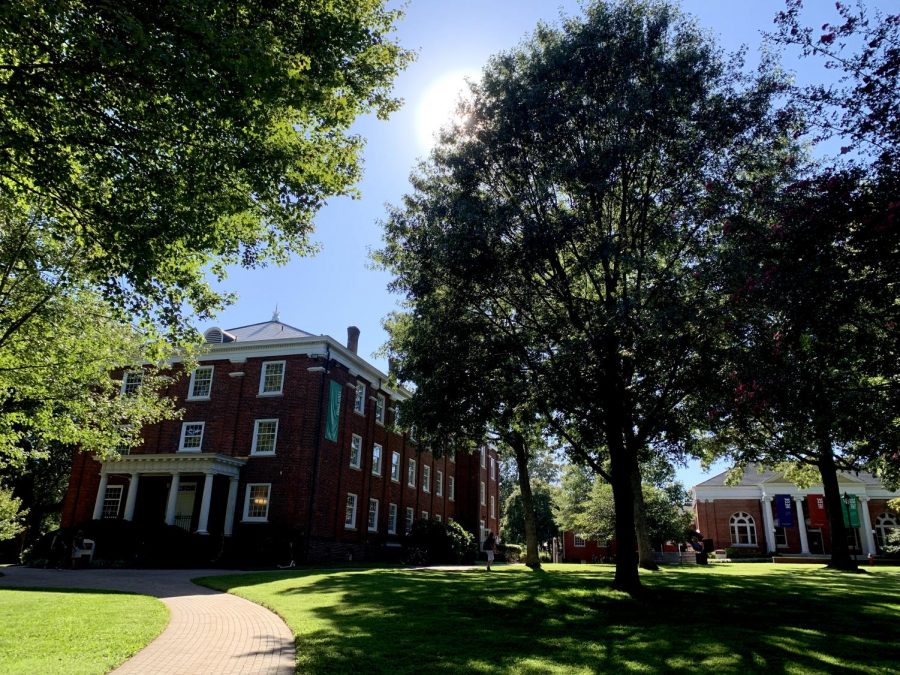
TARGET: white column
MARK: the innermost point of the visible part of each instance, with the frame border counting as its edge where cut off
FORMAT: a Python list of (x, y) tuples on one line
[(101, 495), (204, 505), (131, 497), (173, 497), (866, 522), (768, 522), (801, 524), (229, 508)]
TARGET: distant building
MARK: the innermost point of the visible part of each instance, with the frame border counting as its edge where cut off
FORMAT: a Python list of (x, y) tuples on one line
[(287, 434), (766, 513)]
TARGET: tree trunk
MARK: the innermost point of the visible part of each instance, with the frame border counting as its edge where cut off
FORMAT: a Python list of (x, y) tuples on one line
[(840, 549), (622, 465), (532, 559), (645, 550)]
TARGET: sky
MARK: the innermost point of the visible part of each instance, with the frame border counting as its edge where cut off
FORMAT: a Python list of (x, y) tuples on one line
[(339, 286)]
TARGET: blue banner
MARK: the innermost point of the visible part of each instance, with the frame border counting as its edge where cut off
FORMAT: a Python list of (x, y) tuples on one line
[(784, 511)]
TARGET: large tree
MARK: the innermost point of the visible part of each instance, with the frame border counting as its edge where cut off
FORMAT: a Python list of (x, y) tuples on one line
[(572, 212), (164, 140), (812, 276)]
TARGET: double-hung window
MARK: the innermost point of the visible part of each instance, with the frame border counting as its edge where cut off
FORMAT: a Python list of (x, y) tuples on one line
[(482, 494), (355, 452), (265, 433), (131, 382), (451, 488), (256, 502), (373, 515), (191, 437), (493, 507), (439, 484), (411, 473), (395, 467), (426, 478), (200, 386), (359, 403), (410, 516), (392, 518), (271, 379), (376, 460), (111, 501), (425, 515), (379, 409), (493, 469), (350, 513)]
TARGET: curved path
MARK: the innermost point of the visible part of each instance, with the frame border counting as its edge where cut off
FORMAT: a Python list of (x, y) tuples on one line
[(209, 631)]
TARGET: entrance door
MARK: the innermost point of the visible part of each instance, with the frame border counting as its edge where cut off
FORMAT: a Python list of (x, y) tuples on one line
[(816, 544), (184, 505)]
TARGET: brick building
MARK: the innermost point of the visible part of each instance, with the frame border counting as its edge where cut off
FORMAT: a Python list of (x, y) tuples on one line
[(285, 434), (766, 513)]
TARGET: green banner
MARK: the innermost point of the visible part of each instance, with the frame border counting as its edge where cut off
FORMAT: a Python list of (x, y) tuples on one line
[(334, 411), (851, 519)]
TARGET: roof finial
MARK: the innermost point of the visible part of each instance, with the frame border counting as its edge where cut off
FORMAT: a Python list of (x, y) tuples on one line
[(276, 315)]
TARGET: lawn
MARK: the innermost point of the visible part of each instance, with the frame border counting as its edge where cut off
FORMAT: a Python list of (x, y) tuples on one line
[(723, 618), (74, 631)]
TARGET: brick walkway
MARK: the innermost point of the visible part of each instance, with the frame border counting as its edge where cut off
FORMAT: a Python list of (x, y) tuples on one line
[(209, 632)]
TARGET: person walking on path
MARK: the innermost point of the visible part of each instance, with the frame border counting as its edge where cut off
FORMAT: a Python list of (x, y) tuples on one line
[(490, 545)]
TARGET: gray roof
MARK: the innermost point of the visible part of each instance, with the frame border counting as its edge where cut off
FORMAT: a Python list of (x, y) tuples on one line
[(267, 330), (754, 475)]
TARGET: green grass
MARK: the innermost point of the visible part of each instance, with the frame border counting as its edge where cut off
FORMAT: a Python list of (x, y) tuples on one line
[(74, 631), (723, 618)]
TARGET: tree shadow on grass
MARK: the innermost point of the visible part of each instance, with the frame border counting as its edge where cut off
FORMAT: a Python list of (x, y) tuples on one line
[(568, 620)]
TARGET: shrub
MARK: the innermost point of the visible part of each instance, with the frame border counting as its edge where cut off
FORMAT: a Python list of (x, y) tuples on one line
[(734, 552), (431, 542), (512, 553)]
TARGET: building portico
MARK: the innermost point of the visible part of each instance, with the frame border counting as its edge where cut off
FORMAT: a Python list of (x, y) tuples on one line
[(187, 474), (767, 513)]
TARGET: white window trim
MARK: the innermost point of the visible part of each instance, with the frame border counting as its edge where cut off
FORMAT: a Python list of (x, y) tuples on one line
[(352, 524), (483, 458), (426, 479), (393, 513), (353, 439), (107, 497), (256, 519), (439, 483), (376, 467), (411, 473), (191, 396), (483, 493), (425, 515), (578, 538), (438, 518), (125, 376), (380, 404), (493, 469), (359, 401), (266, 453), (184, 426), (262, 378), (399, 459), (451, 488), (493, 511), (370, 526), (410, 517)]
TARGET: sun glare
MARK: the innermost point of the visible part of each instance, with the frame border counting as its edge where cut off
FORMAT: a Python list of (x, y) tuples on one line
[(437, 105)]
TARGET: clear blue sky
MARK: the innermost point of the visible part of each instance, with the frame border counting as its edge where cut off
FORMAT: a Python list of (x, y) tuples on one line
[(338, 287)]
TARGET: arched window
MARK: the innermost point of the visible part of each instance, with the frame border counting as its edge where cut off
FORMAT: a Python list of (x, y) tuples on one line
[(884, 525), (743, 529)]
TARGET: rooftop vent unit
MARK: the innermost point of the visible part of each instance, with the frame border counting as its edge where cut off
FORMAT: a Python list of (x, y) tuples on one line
[(217, 336)]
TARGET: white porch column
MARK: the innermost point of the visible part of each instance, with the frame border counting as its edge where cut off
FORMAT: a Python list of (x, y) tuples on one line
[(101, 495), (204, 505), (131, 497), (768, 522), (868, 539), (801, 524), (173, 497), (229, 508)]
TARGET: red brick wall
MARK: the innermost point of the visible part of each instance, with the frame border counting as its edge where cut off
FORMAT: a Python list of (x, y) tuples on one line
[(592, 551), (713, 520), (229, 418)]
